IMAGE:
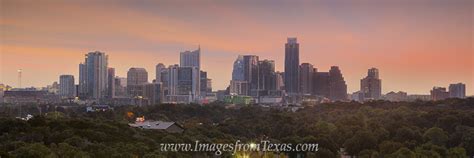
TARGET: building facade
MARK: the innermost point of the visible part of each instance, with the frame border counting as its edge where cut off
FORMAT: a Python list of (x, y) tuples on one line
[(93, 76), (153, 93), (266, 75), (120, 87), (457, 90), (67, 87), (190, 58), (110, 83), (306, 78), (251, 73), (396, 96), (279, 82), (206, 84), (321, 84), (159, 68), (337, 85), (439, 93), (371, 86), (238, 69), (184, 84), (239, 87), (136, 77), (292, 62)]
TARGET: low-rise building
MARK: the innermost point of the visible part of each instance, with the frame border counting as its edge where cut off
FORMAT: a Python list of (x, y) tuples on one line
[(170, 127), (396, 96), (30, 96), (238, 99), (439, 93), (421, 97)]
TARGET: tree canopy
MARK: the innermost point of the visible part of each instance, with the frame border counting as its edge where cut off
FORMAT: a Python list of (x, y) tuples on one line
[(372, 129)]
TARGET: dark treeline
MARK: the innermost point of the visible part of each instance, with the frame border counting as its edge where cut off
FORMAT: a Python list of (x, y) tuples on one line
[(374, 129)]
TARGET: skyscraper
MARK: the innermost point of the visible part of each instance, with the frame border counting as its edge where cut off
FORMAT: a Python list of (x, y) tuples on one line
[(93, 76), (111, 83), (190, 66), (321, 84), (188, 81), (371, 86), (172, 79), (82, 86), (306, 78), (457, 90), (159, 69), (184, 84), (337, 85), (251, 73), (203, 82), (266, 77), (191, 58), (165, 77), (136, 78), (66, 86), (238, 71), (153, 93), (292, 63)]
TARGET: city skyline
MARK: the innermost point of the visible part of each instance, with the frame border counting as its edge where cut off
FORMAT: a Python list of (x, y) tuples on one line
[(415, 69)]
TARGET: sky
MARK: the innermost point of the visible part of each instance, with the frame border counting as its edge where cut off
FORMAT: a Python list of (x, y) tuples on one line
[(415, 44)]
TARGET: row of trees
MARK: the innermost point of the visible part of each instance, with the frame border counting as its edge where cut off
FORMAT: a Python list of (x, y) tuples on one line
[(374, 129)]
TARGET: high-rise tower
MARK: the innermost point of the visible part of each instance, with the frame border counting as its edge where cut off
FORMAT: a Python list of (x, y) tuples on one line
[(93, 76), (306, 78), (292, 62), (251, 73), (371, 86), (136, 78), (190, 58), (337, 85), (66, 86)]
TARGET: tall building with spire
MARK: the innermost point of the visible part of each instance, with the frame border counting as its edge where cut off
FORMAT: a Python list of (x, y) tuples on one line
[(93, 76), (292, 63)]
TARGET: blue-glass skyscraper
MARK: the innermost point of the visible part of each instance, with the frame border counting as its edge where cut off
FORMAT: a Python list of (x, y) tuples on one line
[(238, 72), (93, 76)]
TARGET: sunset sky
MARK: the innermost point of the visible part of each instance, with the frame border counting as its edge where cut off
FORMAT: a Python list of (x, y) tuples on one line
[(415, 44)]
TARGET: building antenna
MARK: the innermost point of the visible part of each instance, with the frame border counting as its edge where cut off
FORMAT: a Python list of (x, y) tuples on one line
[(19, 78)]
